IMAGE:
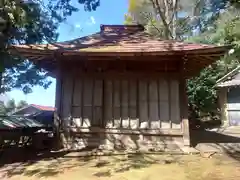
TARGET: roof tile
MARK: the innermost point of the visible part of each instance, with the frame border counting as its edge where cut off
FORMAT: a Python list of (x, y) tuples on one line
[(119, 38)]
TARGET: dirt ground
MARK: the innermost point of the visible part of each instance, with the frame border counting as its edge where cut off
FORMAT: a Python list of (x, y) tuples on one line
[(124, 167)]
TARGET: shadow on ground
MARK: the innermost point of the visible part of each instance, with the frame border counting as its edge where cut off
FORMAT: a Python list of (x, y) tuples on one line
[(227, 143), (15, 161), (119, 164), (26, 162), (46, 164)]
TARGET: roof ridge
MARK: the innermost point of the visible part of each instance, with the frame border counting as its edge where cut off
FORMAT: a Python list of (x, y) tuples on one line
[(40, 105), (131, 27)]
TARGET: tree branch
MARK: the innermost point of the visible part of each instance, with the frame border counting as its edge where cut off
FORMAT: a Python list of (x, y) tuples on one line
[(166, 11), (174, 11), (157, 8), (1, 84), (150, 19)]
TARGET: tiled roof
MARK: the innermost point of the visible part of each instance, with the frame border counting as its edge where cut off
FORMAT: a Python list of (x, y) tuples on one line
[(43, 108), (121, 42), (118, 38)]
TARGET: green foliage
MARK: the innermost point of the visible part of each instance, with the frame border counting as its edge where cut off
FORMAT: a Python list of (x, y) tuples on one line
[(89, 5), (137, 11), (26, 23), (2, 108), (11, 106), (202, 90), (176, 19), (235, 3), (21, 104), (30, 22)]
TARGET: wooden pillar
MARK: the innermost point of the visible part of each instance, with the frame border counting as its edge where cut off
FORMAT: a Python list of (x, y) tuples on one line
[(222, 100), (57, 113), (184, 105), (58, 92), (184, 112)]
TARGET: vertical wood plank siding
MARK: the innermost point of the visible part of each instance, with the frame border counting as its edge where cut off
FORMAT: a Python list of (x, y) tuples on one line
[(77, 103), (67, 99), (131, 103), (108, 103)]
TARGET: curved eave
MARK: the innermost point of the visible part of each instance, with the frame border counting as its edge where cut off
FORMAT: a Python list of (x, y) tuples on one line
[(27, 50), (47, 58)]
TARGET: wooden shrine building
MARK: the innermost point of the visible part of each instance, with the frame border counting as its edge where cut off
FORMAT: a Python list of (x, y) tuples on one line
[(122, 88)]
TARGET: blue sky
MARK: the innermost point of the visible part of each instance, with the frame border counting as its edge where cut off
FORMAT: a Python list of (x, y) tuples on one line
[(79, 24)]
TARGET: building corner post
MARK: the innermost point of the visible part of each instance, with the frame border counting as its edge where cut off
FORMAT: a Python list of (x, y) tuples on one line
[(184, 105), (57, 117)]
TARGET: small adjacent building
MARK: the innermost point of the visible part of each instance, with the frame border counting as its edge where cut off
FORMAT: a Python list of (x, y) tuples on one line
[(229, 97), (43, 114), (121, 87)]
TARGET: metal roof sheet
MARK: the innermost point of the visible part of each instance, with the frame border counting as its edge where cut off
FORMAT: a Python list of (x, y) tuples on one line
[(12, 122), (229, 83)]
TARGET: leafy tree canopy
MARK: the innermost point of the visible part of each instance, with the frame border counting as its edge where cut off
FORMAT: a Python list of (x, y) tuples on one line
[(202, 89), (11, 106), (30, 22)]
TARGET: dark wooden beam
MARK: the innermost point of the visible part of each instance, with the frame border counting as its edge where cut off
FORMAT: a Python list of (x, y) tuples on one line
[(58, 105), (153, 132)]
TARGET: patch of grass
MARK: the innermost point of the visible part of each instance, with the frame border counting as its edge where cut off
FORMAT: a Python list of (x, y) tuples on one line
[(131, 167)]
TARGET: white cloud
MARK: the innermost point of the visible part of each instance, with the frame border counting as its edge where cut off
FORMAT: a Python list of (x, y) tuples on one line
[(93, 20), (77, 25)]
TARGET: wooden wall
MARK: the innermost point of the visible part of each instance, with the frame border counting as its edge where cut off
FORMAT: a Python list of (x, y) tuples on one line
[(222, 100), (120, 102)]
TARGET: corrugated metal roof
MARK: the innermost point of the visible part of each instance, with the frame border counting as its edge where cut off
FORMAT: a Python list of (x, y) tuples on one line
[(11, 122), (39, 107), (230, 79), (229, 83)]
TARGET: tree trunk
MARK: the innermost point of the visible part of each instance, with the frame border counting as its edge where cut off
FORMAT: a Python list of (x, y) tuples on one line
[(1, 80), (168, 15), (1, 72)]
